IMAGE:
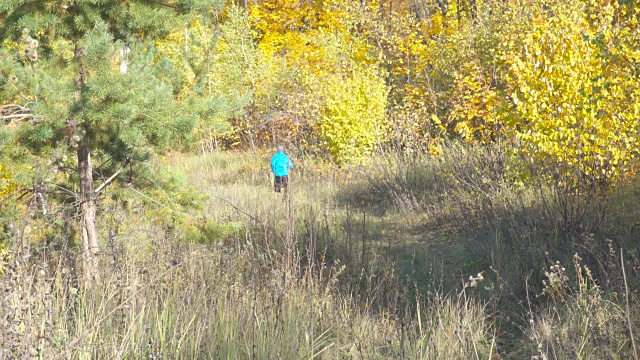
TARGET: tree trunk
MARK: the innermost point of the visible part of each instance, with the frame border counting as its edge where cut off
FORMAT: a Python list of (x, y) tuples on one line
[(474, 9), (443, 9), (88, 227)]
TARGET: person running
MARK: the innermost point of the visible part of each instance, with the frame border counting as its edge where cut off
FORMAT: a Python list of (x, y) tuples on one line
[(280, 165)]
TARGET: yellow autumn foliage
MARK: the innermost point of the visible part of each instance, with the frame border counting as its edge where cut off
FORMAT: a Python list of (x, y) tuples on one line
[(475, 105), (577, 111), (559, 79), (7, 185), (352, 113)]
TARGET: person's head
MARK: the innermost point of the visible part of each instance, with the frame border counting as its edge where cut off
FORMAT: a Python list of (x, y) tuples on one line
[(280, 148)]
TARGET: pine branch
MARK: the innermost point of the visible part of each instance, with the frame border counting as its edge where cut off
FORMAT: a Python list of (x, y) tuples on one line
[(161, 190), (158, 121)]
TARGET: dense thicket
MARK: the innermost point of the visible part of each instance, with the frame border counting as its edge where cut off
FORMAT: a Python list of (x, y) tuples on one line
[(557, 80), (555, 83)]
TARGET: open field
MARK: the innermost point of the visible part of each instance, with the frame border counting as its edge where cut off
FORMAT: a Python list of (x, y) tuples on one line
[(388, 260)]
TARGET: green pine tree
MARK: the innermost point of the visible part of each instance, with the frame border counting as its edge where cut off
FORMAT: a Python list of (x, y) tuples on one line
[(86, 81)]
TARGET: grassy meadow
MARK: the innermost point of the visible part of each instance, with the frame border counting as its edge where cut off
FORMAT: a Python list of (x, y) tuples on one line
[(402, 258)]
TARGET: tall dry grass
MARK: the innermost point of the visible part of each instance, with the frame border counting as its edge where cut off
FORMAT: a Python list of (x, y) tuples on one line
[(249, 277), (313, 275), (580, 319), (186, 301)]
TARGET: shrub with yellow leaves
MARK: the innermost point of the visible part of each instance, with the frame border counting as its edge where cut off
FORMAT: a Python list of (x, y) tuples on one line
[(575, 106), (576, 111), (353, 114), (475, 105)]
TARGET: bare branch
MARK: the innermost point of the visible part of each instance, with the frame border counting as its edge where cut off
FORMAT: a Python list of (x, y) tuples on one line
[(12, 116), (159, 203), (162, 4), (114, 176), (239, 210), (15, 113), (62, 190), (16, 117), (274, 117), (12, 106), (109, 180), (13, 193)]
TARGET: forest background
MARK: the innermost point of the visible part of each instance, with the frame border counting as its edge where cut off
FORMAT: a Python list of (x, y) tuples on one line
[(449, 152)]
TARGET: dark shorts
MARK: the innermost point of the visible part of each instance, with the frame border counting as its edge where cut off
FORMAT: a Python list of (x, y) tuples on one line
[(281, 182)]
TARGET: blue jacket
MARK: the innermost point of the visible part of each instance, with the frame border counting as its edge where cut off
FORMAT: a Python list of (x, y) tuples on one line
[(280, 164)]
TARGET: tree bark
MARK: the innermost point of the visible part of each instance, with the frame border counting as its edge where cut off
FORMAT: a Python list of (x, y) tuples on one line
[(443, 9), (474, 9), (88, 226)]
